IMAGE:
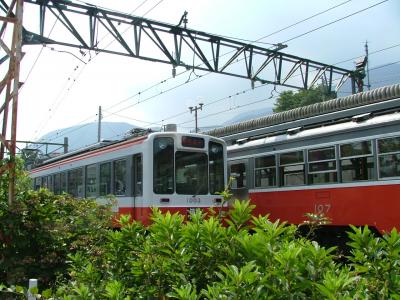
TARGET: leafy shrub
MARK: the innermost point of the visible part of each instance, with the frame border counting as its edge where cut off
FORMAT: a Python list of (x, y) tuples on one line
[(39, 230), (240, 257), (202, 259)]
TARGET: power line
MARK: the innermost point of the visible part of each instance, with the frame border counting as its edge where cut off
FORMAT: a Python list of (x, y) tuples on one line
[(306, 19), (335, 21), (232, 108), (105, 47), (370, 53), (280, 30), (138, 94), (40, 53), (386, 65), (152, 8)]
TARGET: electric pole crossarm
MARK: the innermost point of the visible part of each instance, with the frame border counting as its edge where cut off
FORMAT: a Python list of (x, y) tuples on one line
[(177, 45)]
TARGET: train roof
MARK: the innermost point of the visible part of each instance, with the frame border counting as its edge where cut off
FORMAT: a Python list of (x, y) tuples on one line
[(353, 125), (90, 148), (380, 99)]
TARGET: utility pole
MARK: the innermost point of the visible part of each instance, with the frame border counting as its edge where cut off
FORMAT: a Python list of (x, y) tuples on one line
[(367, 64), (195, 109), (99, 126), (11, 83)]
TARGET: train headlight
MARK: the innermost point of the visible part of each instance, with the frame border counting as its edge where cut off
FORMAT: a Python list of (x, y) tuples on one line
[(162, 144), (214, 149)]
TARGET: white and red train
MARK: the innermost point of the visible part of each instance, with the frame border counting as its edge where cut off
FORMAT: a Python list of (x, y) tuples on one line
[(340, 158), (168, 170)]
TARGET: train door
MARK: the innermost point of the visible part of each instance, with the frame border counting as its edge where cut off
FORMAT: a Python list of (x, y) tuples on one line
[(238, 172), (137, 181)]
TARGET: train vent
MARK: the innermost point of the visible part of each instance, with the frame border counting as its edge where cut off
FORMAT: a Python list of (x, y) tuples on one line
[(170, 127), (360, 118), (294, 130)]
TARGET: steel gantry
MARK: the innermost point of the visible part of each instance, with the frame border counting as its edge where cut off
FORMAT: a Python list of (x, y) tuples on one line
[(90, 28), (179, 46)]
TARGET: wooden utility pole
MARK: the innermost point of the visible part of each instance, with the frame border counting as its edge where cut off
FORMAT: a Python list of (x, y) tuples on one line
[(11, 84)]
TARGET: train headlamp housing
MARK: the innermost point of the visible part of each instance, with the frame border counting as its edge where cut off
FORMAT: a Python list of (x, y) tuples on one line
[(215, 149)]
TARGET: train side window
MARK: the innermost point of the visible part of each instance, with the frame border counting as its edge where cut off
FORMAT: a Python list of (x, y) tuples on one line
[(291, 169), (120, 177), (56, 182), (265, 171), (91, 181), (322, 165), (389, 157), (138, 174), (356, 161), (163, 165), (63, 182), (37, 183), (105, 179), (238, 173), (239, 183), (44, 182), (75, 182), (50, 183)]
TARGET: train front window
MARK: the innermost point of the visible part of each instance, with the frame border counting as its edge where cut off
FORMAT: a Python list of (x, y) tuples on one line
[(357, 162), (389, 157), (216, 162), (191, 173), (163, 168)]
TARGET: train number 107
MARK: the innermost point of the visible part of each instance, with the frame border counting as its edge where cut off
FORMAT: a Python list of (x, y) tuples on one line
[(322, 208)]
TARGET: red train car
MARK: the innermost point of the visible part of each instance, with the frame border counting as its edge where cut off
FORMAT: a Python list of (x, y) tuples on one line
[(339, 158)]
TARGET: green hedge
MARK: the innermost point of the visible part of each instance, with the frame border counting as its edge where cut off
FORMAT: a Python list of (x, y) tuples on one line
[(67, 244)]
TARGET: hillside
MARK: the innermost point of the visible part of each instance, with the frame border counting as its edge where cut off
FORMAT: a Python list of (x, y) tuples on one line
[(83, 135)]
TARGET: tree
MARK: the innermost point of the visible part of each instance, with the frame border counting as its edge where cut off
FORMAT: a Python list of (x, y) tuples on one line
[(289, 99)]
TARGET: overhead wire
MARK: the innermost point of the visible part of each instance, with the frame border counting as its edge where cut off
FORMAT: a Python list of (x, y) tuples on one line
[(335, 21), (320, 27), (139, 93), (384, 66), (110, 43), (370, 53), (280, 30)]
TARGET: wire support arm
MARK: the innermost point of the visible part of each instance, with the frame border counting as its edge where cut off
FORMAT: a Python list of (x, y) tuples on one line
[(177, 45)]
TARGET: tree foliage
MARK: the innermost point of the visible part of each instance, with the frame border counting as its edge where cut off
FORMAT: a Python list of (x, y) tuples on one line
[(66, 243), (39, 229), (289, 99)]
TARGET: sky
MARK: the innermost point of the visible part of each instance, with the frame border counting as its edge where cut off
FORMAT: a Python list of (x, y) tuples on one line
[(63, 88)]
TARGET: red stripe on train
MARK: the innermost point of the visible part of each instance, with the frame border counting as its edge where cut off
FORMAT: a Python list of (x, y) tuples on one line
[(377, 206), (91, 154), (143, 214)]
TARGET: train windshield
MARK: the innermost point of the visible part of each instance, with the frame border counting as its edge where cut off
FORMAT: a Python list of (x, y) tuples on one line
[(191, 173), (187, 172)]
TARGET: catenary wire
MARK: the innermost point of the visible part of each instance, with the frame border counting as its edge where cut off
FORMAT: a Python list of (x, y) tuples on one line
[(335, 21), (261, 38)]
